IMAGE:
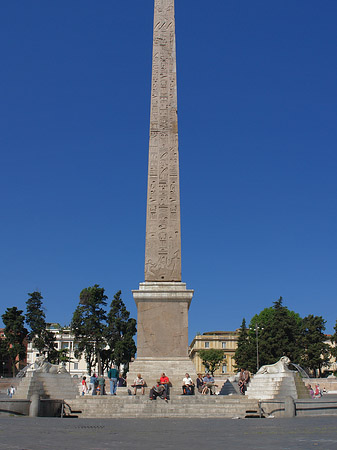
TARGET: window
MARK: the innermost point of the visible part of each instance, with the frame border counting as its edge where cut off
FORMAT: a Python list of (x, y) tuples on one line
[(223, 344), (224, 368), (206, 344), (75, 366), (65, 345)]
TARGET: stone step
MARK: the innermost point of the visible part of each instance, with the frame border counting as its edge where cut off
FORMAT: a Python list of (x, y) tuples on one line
[(190, 406)]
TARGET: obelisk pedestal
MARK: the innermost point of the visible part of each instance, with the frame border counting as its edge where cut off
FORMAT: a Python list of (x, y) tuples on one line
[(163, 300), (162, 337)]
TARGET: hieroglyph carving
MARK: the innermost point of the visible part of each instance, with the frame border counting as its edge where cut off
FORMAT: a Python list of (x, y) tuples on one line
[(163, 245)]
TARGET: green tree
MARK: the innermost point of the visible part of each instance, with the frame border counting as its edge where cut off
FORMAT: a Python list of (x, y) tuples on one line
[(61, 355), (316, 350), (119, 334), (88, 325), (4, 357), (211, 358), (41, 338), (279, 334), (244, 354), (15, 334)]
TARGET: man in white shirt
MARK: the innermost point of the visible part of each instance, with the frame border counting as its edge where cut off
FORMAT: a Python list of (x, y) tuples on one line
[(139, 383), (188, 385)]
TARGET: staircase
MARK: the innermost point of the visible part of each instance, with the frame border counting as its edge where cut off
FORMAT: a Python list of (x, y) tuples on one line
[(279, 385), (47, 385), (140, 406)]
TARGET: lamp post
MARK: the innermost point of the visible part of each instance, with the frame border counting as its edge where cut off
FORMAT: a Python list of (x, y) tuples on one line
[(3, 369), (257, 328)]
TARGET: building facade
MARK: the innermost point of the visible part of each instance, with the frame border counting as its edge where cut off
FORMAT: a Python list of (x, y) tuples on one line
[(64, 339), (222, 340), (332, 366)]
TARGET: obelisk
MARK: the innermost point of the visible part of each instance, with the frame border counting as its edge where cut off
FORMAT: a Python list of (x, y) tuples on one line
[(163, 300)]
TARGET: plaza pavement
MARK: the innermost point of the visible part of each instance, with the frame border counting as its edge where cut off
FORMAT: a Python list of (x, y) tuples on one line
[(24, 433)]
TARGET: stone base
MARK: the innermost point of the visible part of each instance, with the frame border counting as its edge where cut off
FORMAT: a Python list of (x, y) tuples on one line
[(47, 385), (162, 320), (162, 337), (152, 368), (278, 385)]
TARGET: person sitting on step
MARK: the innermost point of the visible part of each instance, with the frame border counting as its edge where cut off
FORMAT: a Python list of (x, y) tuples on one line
[(208, 384), (166, 382), (158, 391), (188, 385), (200, 383), (139, 383)]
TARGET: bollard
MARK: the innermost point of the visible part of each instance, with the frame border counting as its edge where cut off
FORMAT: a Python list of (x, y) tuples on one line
[(289, 407), (34, 405)]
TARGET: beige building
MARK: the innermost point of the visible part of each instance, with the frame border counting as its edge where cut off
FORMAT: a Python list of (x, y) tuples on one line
[(332, 366), (223, 340)]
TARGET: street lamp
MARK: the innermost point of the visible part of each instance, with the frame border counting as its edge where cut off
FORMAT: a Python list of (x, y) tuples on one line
[(3, 369), (257, 328)]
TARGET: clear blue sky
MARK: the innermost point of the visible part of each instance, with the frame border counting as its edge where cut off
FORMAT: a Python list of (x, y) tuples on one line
[(257, 103)]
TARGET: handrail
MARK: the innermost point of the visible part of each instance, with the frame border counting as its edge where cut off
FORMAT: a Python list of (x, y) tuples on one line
[(310, 402)]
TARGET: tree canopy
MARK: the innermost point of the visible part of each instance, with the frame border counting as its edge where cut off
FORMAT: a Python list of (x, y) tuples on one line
[(103, 337), (211, 358), (275, 332), (119, 333), (245, 352), (15, 334), (88, 325), (41, 338), (316, 351)]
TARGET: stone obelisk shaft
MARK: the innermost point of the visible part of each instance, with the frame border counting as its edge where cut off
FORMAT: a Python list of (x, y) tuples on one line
[(163, 244), (163, 300)]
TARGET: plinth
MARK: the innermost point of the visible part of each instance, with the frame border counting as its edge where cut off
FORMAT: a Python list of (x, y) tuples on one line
[(162, 338)]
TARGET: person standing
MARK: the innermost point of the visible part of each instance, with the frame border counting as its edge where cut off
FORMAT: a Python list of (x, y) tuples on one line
[(113, 376), (92, 384), (84, 386), (100, 385)]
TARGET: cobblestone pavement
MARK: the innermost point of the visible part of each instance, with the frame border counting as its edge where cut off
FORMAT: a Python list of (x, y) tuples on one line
[(101, 434)]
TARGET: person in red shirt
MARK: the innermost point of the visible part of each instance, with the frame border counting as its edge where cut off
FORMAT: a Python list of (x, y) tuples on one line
[(165, 381)]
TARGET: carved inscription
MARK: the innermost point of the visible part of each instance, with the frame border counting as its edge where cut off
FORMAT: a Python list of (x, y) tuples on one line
[(163, 247)]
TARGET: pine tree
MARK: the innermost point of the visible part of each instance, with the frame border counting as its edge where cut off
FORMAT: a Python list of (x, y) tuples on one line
[(15, 334), (4, 356), (244, 354), (278, 334), (316, 350), (88, 325), (119, 334), (41, 338)]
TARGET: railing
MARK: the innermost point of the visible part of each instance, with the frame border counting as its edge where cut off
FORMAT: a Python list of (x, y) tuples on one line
[(312, 405)]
